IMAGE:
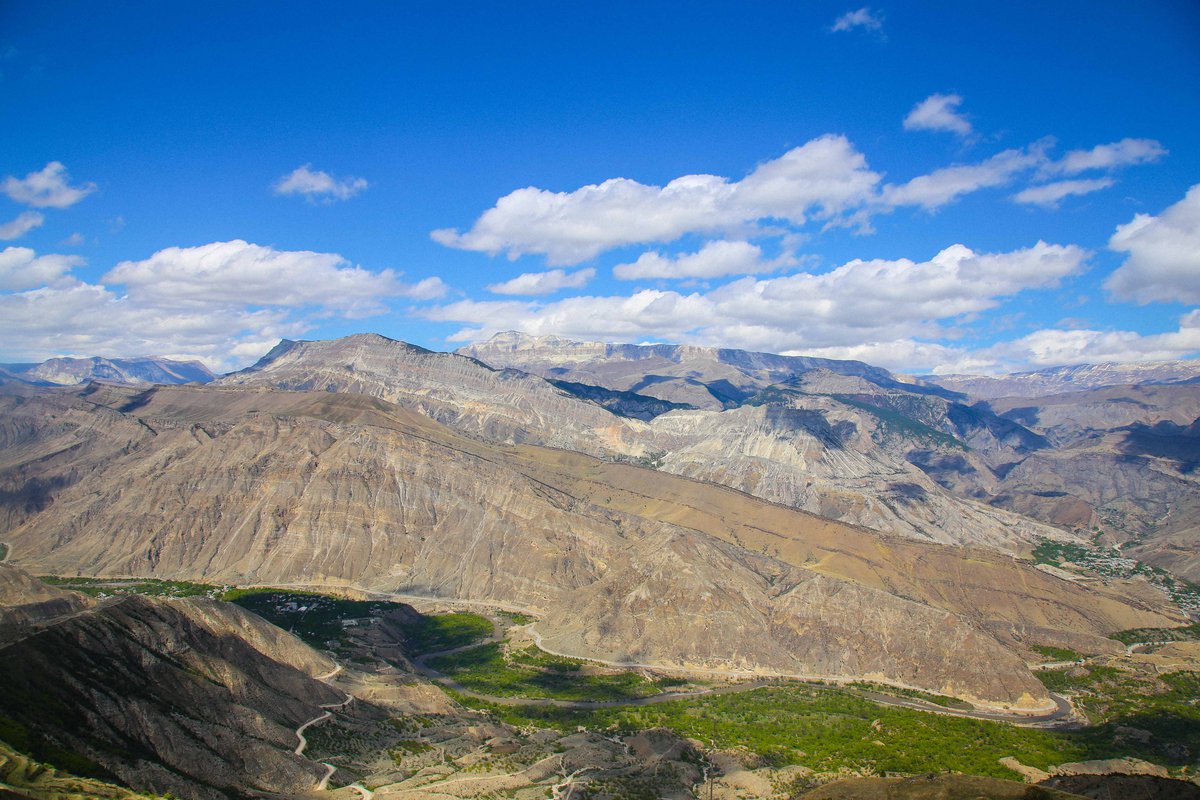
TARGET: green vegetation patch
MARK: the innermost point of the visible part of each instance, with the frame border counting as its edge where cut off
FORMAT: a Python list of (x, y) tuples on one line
[(826, 728), (823, 729), (316, 618), (533, 673), (147, 586), (320, 619), (1186, 633), (433, 634), (517, 618), (1056, 653)]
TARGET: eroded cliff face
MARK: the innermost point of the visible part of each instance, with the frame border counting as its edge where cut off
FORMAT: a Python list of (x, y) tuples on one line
[(501, 405), (822, 455), (192, 696), (808, 445), (327, 489)]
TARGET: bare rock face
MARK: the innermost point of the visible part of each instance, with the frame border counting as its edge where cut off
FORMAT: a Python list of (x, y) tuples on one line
[(807, 446), (502, 405), (336, 490), (191, 697), (825, 456), (1124, 458), (703, 377)]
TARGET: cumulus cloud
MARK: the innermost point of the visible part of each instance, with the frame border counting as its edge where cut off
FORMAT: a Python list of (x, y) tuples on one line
[(537, 283), (49, 188), (819, 180), (861, 301), (825, 180), (22, 268), (221, 302), (243, 273), (318, 185), (23, 224), (1052, 347), (945, 185), (1049, 195), (714, 260), (1124, 153), (1164, 255), (938, 112), (87, 319), (862, 18)]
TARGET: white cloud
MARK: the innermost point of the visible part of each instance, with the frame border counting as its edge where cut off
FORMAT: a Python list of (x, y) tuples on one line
[(241, 273), (1164, 255), (715, 259), (938, 112), (1049, 195), (22, 268), (223, 302), (945, 185), (536, 283), (49, 188), (1124, 153), (819, 179), (86, 319), (318, 185), (1052, 347), (23, 224), (429, 288), (861, 301), (862, 18), (74, 240)]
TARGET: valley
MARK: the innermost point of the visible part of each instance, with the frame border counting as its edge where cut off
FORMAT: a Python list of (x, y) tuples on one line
[(526, 572)]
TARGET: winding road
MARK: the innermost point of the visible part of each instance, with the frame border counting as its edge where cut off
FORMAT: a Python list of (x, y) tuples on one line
[(302, 741)]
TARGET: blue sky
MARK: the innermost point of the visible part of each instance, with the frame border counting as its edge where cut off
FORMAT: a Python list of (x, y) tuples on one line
[(934, 186)]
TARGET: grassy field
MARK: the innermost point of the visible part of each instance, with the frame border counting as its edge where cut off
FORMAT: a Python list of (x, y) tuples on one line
[(528, 672)]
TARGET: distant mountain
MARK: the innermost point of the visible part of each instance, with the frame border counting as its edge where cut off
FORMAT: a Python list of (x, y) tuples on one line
[(703, 377), (71, 371), (1058, 380), (500, 404)]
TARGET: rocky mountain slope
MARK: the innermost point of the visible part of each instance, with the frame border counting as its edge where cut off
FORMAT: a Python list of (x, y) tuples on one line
[(860, 445), (1123, 463), (784, 457), (702, 377), (72, 371), (1060, 380), (189, 696), (502, 405), (331, 489)]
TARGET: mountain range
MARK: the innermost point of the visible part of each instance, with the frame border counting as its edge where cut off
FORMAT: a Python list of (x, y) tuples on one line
[(712, 512), (373, 464)]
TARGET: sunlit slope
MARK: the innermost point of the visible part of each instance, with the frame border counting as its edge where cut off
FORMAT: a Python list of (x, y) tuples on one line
[(253, 486)]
